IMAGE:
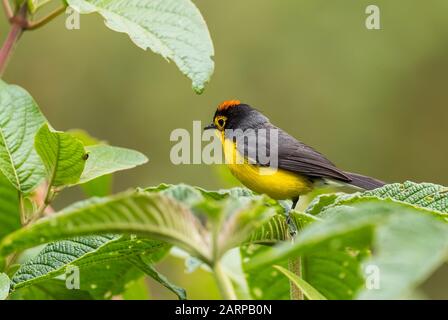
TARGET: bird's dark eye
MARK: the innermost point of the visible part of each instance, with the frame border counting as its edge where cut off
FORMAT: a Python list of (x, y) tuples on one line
[(220, 122)]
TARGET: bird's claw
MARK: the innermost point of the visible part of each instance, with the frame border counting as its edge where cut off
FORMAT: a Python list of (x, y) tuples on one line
[(291, 226)]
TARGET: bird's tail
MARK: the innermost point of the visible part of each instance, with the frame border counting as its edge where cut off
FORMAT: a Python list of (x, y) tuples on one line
[(364, 182)]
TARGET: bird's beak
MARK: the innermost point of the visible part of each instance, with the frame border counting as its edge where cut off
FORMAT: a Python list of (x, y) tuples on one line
[(210, 126)]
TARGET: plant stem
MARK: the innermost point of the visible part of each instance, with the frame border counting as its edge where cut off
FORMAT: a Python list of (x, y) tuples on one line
[(40, 23), (18, 24), (8, 10), (224, 283), (8, 46), (49, 197), (295, 266), (23, 217)]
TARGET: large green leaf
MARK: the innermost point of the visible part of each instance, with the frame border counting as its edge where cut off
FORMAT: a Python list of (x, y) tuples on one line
[(9, 207), (155, 215), (104, 159), (407, 245), (239, 214), (264, 283), (62, 154), (131, 212), (432, 198), (258, 228), (55, 257), (174, 29), (239, 221), (99, 259), (20, 119), (426, 195), (334, 273), (406, 251)]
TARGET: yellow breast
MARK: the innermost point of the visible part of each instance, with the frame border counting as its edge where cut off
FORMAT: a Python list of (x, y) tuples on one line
[(276, 183)]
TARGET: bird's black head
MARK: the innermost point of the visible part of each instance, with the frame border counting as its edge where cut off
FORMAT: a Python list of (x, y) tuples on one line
[(232, 114)]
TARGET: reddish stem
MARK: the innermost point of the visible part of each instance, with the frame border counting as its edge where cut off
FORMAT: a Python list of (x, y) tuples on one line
[(18, 24), (8, 10), (8, 46)]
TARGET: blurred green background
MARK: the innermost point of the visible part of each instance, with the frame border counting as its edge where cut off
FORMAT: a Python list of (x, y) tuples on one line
[(373, 101)]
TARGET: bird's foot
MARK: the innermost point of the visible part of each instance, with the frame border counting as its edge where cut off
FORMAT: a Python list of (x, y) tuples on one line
[(289, 221), (292, 228)]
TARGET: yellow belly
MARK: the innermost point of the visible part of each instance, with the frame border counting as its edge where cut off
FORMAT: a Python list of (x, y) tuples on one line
[(276, 183)]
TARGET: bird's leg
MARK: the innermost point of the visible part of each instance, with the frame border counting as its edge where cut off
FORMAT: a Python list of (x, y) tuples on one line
[(291, 225)]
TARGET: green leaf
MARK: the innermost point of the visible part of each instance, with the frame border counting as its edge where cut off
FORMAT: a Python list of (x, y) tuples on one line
[(144, 264), (9, 207), (174, 29), (63, 156), (336, 274), (320, 235), (431, 198), (407, 245), (241, 217), (406, 251), (260, 228), (151, 215), (426, 195), (20, 119), (264, 283), (55, 257), (105, 285), (104, 159), (270, 232), (101, 186), (276, 229), (308, 290), (188, 195), (194, 195), (320, 202), (154, 215), (4, 286), (53, 289), (103, 262)]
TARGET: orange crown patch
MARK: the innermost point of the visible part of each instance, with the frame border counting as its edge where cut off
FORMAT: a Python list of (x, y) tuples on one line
[(228, 104)]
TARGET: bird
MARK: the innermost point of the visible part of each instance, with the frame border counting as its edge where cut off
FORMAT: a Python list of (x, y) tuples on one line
[(299, 168)]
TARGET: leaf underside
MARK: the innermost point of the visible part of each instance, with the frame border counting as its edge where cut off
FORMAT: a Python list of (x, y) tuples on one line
[(20, 119), (174, 29)]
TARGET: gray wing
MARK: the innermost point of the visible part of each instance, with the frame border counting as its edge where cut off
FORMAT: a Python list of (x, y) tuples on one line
[(297, 157), (293, 155)]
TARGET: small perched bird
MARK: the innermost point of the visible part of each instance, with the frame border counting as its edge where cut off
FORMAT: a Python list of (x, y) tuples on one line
[(299, 168)]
